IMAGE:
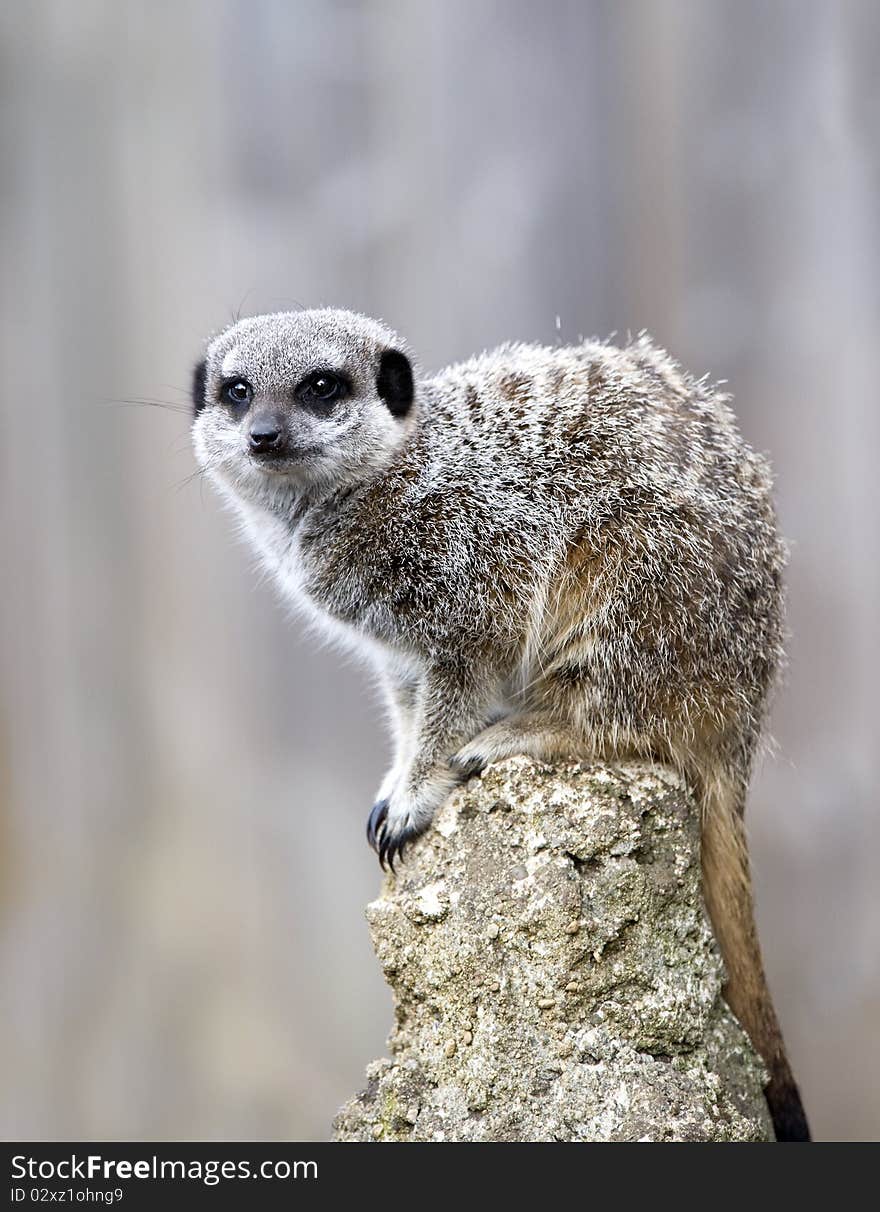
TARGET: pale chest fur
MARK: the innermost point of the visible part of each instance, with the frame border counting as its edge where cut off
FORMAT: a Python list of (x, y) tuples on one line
[(345, 617)]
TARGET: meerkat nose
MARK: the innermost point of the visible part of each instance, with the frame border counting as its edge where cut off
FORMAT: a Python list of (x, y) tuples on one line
[(266, 434)]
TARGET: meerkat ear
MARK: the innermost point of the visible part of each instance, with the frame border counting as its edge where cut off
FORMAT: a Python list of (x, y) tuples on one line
[(394, 382), (199, 376)]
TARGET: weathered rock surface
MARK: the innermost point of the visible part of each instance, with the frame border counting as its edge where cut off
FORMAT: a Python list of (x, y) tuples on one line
[(554, 972)]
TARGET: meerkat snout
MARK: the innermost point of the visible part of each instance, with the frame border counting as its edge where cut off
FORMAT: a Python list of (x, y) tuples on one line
[(266, 433)]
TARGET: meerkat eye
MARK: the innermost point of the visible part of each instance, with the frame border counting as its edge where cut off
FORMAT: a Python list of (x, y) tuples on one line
[(237, 392), (321, 388)]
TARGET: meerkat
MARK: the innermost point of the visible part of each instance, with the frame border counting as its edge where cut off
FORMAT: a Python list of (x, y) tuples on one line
[(552, 551)]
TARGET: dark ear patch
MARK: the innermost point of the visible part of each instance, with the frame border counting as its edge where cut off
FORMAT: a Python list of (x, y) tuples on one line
[(200, 372), (394, 382)]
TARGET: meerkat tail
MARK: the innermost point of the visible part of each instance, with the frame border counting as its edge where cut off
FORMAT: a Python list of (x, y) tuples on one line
[(727, 889)]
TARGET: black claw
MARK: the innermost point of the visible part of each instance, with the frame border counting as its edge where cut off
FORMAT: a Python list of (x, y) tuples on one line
[(388, 845), (388, 856), (375, 821), (467, 770), (395, 850), (387, 852)]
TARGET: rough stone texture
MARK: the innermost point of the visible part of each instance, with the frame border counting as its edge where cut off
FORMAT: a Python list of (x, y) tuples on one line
[(554, 973)]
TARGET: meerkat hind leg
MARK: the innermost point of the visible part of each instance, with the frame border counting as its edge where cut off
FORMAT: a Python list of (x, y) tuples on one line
[(533, 734)]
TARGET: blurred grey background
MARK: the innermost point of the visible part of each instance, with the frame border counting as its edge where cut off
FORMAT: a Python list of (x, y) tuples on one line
[(184, 778)]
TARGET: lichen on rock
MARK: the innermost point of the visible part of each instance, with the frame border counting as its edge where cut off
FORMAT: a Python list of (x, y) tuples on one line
[(554, 972)]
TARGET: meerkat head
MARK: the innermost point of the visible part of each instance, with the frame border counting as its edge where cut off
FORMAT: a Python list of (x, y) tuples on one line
[(311, 398)]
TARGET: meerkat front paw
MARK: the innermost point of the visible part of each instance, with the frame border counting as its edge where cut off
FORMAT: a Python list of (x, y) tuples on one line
[(401, 816), (389, 834)]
